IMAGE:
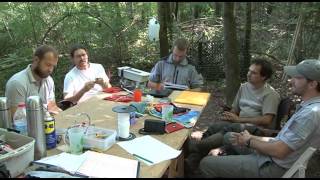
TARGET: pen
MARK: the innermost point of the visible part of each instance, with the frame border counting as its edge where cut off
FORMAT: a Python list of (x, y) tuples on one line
[(142, 158)]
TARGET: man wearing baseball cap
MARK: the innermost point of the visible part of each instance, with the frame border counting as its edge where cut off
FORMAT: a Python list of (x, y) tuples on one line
[(310, 69), (272, 157)]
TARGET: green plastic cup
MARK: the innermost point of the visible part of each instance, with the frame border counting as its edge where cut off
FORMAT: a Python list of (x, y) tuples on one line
[(75, 140)]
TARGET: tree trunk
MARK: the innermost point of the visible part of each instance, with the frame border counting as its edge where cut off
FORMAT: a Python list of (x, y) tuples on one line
[(218, 9), (129, 7), (230, 53), (169, 15), (247, 38), (118, 44), (163, 32), (291, 60), (176, 10), (196, 11), (300, 53), (33, 26)]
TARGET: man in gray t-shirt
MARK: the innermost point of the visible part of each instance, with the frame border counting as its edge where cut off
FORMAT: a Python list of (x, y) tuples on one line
[(272, 157), (35, 80), (255, 104), (175, 69)]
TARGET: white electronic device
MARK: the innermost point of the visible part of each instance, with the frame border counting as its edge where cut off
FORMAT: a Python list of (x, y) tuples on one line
[(132, 74)]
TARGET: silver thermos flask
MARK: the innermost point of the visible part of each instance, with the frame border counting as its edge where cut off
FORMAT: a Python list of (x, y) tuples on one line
[(5, 115), (35, 119)]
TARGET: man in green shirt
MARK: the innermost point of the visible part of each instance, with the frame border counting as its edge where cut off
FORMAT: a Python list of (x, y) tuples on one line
[(255, 104)]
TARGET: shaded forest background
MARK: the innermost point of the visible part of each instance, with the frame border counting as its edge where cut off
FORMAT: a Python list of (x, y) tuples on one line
[(224, 37), (116, 34)]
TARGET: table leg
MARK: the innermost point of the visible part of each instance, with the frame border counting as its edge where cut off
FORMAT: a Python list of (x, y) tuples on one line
[(176, 168)]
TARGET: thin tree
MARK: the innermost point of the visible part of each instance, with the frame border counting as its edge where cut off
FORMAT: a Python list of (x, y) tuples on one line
[(246, 46), (230, 53), (163, 32)]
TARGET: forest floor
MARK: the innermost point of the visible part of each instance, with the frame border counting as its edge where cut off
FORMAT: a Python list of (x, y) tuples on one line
[(213, 109)]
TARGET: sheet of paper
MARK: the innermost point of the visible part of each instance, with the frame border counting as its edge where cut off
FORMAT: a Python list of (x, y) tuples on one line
[(101, 165), (150, 149), (66, 161)]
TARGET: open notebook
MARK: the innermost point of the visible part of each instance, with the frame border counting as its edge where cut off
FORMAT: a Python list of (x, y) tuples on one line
[(94, 164)]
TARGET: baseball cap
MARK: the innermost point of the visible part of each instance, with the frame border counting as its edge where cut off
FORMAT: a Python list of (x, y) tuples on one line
[(309, 68)]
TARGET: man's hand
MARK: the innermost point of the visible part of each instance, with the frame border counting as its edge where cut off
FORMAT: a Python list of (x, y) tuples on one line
[(215, 152), (234, 138), (100, 81), (89, 85), (53, 108), (197, 135), (229, 116), (160, 86), (240, 139)]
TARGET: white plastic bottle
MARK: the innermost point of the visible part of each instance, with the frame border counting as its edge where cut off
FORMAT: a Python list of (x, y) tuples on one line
[(20, 119)]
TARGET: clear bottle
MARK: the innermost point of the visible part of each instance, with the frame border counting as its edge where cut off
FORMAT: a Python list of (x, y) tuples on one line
[(20, 119)]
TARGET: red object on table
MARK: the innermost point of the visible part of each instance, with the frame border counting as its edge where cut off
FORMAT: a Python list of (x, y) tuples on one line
[(137, 94), (172, 127), (119, 98), (112, 90)]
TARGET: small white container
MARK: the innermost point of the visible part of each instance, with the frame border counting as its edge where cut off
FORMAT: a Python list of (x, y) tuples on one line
[(101, 144), (19, 159)]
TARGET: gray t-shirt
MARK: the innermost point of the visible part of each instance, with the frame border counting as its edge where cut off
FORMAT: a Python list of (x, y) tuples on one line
[(183, 73), (250, 102), (301, 131), (22, 85)]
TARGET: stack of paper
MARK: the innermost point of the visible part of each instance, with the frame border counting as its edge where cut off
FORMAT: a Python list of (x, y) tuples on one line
[(93, 164), (149, 150)]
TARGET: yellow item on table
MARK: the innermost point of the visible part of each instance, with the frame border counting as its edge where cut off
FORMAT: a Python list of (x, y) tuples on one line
[(195, 98)]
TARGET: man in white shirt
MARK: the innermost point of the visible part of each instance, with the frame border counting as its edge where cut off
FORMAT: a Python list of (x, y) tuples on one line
[(85, 79)]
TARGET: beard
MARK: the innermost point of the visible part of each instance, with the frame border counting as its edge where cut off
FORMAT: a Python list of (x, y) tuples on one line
[(40, 73)]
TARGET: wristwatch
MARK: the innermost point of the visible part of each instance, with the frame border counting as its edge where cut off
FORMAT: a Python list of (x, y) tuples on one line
[(248, 143)]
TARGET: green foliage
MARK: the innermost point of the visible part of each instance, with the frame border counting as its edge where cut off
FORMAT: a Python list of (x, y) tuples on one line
[(116, 33)]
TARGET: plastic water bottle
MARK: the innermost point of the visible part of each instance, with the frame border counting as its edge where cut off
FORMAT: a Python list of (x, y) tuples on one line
[(20, 119)]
